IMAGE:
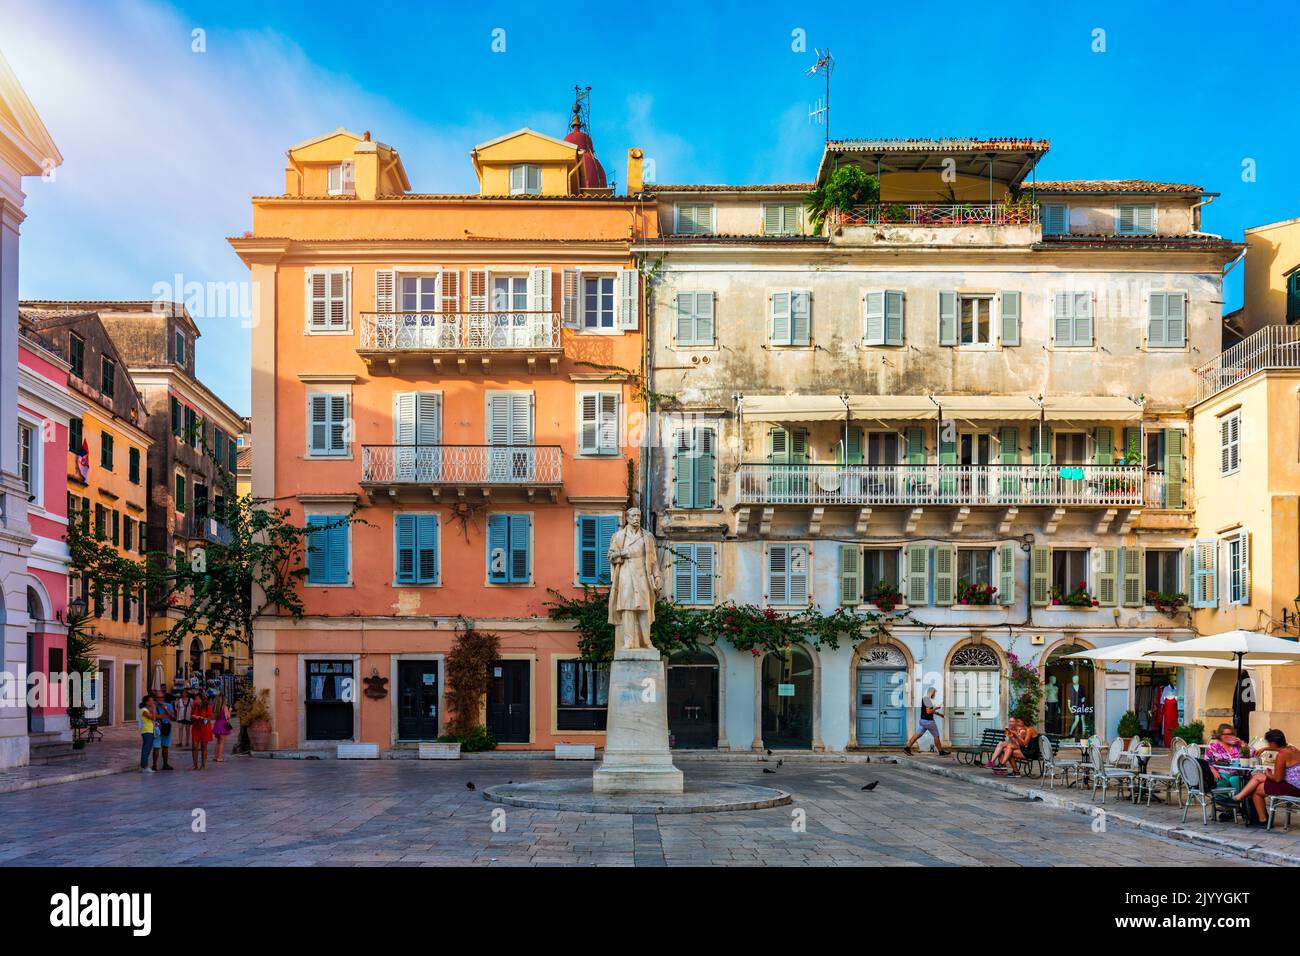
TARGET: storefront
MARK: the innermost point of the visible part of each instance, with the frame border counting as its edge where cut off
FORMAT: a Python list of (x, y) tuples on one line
[(1158, 700), (693, 700), (787, 699), (1069, 694)]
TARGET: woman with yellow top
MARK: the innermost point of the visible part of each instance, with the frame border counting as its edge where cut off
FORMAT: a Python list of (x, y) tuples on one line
[(148, 723)]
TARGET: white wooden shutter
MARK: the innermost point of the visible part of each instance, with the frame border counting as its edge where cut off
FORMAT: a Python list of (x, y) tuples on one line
[(339, 313), (780, 318), (449, 291), (539, 289), (607, 423), (798, 574), (404, 418), (317, 309), (629, 288), (479, 283), (1009, 304), (704, 561), (589, 423), (800, 317), (385, 280), (778, 574), (571, 294), (918, 569), (428, 418), (893, 317), (850, 574)]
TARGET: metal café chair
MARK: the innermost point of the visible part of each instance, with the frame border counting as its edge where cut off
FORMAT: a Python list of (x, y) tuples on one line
[(1198, 787), (1103, 774), (1053, 768), (1149, 780)]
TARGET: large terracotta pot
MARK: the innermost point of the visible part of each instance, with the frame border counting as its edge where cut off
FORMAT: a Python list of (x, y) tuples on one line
[(259, 734)]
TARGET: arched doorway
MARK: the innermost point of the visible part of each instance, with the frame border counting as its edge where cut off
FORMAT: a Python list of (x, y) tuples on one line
[(693, 700), (975, 703), (880, 695), (787, 696), (196, 658), (35, 617), (1224, 696), (1069, 694)]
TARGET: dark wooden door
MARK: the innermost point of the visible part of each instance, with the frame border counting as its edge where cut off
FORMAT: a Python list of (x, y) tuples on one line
[(508, 702), (417, 700)]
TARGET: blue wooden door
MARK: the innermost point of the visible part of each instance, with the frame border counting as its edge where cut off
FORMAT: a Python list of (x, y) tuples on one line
[(880, 713)]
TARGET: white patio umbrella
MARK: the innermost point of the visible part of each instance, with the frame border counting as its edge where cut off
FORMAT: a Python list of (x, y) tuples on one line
[(1245, 648)]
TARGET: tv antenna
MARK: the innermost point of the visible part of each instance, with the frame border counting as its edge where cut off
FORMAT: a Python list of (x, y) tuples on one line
[(821, 112)]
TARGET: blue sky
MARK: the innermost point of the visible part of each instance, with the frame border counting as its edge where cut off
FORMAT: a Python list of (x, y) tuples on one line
[(163, 146)]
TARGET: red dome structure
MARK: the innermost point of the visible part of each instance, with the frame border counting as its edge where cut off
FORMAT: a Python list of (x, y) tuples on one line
[(593, 174)]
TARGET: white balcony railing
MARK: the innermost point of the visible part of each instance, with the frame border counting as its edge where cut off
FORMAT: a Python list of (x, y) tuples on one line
[(938, 214), (460, 464), (459, 331), (1274, 346), (1109, 485)]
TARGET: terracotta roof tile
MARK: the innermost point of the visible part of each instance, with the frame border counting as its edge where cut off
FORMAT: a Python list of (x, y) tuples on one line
[(1105, 186), (956, 144), (720, 188)]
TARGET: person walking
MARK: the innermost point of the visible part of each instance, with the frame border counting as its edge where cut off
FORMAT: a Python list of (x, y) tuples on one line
[(148, 721), (182, 728), (200, 732), (165, 714), (221, 727), (927, 721)]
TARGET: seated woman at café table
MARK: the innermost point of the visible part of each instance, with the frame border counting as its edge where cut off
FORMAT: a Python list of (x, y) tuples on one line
[(1019, 744), (1283, 781), (1225, 748)]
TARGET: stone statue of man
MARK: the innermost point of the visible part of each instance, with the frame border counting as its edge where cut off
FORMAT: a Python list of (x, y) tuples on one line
[(634, 582)]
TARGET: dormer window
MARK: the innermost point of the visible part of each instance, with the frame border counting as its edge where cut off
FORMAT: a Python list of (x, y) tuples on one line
[(525, 180), (1135, 219), (782, 219), (180, 347), (694, 219), (343, 179)]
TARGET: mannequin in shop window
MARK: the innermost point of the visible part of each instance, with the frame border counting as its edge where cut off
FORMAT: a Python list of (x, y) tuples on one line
[(1052, 703), (1169, 710), (1079, 708)]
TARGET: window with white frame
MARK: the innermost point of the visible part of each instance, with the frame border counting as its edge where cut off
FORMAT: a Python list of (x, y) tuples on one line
[(598, 296), (782, 219), (883, 318), (1230, 443), (787, 574), (598, 423), (29, 458), (509, 293), (1072, 319), (694, 219), (1164, 568), (975, 320), (693, 573), (695, 324), (342, 179), (419, 293), (327, 300), (328, 429), (525, 180), (1135, 218), (1238, 567)]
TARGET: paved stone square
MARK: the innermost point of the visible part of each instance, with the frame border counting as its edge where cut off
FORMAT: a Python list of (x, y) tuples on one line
[(405, 813)]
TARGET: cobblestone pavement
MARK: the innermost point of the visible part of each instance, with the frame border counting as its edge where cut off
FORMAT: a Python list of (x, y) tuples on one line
[(407, 813)]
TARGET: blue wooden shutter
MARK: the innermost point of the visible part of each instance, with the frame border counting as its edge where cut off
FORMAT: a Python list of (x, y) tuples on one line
[(426, 549), (405, 534), (606, 525), (683, 473), (780, 318), (521, 559), (587, 573), (1156, 321), (316, 549), (1175, 319), (498, 552), (702, 462), (704, 555), (338, 552), (1054, 219)]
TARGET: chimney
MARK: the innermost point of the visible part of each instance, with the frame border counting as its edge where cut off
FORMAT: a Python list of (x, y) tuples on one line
[(634, 182)]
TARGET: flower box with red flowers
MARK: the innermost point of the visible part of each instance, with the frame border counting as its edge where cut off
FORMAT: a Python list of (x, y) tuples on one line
[(1080, 597)]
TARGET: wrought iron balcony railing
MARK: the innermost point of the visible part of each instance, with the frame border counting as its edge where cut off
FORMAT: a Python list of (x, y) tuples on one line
[(459, 331), (1274, 346), (468, 465), (937, 214), (916, 485)]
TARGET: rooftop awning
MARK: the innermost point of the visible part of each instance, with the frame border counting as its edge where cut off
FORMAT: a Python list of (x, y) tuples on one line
[(999, 408), (1092, 409)]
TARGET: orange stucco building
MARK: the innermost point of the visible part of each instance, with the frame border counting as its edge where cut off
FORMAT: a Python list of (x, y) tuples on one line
[(465, 370)]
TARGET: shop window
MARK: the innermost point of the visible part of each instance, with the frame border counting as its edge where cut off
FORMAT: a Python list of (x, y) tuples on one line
[(584, 695), (1069, 707)]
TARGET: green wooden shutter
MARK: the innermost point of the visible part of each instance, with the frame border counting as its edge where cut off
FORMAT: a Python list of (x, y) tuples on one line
[(893, 318), (683, 475), (1040, 563), (799, 446), (1174, 491), (874, 318), (778, 447), (945, 574), (1205, 573), (801, 317), (1063, 319), (704, 318), (1083, 318), (685, 318), (1103, 447), (1006, 573), (850, 574), (780, 318), (1009, 458), (1156, 317), (703, 466), (1040, 444), (1106, 575), (918, 568), (914, 445), (1175, 319), (1010, 302), (947, 318), (852, 454), (1134, 561)]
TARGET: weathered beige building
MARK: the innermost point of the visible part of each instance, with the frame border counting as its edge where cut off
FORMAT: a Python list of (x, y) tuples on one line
[(978, 382)]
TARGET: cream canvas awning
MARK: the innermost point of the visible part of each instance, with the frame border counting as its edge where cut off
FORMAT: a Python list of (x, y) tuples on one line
[(1104, 408), (999, 408), (821, 408)]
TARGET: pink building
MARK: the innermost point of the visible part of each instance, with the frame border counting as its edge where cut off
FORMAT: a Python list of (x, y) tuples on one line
[(45, 406)]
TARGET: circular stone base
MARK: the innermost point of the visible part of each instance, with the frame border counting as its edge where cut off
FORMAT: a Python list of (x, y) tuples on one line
[(576, 794)]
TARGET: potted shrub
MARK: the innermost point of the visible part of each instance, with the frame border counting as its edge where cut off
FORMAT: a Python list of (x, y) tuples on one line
[(886, 597), (1129, 726), (254, 713), (1080, 597)]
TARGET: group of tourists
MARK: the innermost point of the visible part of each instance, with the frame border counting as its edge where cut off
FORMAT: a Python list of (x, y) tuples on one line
[(1282, 779), (193, 717), (1020, 743)]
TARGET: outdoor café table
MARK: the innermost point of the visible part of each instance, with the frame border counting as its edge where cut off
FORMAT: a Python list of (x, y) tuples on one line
[(1082, 747)]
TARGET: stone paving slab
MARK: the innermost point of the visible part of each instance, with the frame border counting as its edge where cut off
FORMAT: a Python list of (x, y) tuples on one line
[(118, 752), (344, 813)]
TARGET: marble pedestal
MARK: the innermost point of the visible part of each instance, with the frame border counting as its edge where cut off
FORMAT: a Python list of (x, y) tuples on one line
[(636, 758)]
